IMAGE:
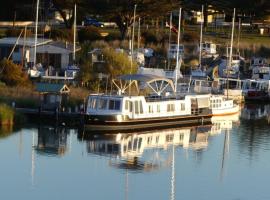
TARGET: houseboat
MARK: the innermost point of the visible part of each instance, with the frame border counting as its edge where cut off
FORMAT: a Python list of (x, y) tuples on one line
[(258, 90), (163, 108)]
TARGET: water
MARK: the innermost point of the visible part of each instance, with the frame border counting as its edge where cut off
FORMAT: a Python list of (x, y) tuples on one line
[(227, 161)]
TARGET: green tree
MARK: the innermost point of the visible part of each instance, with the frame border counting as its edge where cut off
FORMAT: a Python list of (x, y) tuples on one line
[(121, 11)]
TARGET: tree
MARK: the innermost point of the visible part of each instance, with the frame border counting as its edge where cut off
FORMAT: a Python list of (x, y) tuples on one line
[(121, 11)]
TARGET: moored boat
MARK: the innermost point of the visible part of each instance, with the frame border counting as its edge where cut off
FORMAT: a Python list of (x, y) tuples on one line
[(164, 108)]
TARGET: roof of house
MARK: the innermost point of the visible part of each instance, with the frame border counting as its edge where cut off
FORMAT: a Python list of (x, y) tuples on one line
[(57, 46), (29, 42), (52, 88)]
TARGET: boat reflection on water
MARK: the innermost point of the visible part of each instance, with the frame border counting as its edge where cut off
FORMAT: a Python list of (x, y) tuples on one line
[(256, 112), (129, 149)]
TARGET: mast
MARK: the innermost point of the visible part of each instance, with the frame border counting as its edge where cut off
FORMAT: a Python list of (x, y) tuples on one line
[(36, 32), (23, 49), (231, 46), (201, 35), (139, 33), (170, 37), (239, 33), (74, 33), (133, 30), (229, 65), (177, 55)]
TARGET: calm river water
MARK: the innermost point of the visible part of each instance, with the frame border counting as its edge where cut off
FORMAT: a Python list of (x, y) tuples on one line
[(229, 160)]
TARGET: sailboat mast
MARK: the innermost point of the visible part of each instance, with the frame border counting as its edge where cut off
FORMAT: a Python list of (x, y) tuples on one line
[(133, 30), (231, 46), (201, 35), (36, 32), (139, 32), (170, 36), (74, 32), (177, 55)]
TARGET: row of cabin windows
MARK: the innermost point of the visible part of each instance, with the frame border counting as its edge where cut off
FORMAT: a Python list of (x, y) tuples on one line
[(216, 103), (170, 108), (137, 105), (103, 104)]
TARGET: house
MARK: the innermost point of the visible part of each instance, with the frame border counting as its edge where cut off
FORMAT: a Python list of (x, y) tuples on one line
[(49, 52), (52, 95)]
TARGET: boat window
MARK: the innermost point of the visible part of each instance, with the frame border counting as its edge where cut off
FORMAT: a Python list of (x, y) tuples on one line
[(170, 108), (130, 106), (126, 105), (114, 105), (141, 107), (183, 106), (158, 108), (150, 109), (136, 107), (102, 105), (93, 103)]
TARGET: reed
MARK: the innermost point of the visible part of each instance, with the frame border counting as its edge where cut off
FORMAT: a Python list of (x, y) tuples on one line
[(6, 115)]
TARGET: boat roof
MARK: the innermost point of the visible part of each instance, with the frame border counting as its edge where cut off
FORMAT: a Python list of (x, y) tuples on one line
[(142, 77)]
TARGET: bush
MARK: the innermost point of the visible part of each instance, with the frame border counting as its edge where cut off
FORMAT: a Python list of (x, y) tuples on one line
[(60, 34), (12, 74), (6, 115), (117, 63), (89, 33)]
